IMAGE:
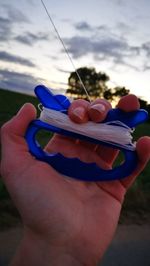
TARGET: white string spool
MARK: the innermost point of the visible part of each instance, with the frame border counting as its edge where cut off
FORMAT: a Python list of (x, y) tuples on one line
[(118, 133)]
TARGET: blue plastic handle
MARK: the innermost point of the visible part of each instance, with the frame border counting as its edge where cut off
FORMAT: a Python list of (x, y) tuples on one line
[(73, 167)]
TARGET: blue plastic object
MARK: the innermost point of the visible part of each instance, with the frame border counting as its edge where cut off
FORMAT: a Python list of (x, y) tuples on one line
[(73, 167)]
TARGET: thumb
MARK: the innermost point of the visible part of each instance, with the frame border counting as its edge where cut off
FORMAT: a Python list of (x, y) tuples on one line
[(14, 147), (19, 123)]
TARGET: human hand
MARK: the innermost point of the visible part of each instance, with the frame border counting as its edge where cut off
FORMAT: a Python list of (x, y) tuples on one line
[(69, 222)]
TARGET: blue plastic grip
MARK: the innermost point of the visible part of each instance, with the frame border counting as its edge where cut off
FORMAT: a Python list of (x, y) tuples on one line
[(73, 167)]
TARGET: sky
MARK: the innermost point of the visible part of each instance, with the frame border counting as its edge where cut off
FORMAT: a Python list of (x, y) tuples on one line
[(111, 35)]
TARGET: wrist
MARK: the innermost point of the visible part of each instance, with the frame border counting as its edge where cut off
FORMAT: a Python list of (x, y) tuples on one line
[(36, 250)]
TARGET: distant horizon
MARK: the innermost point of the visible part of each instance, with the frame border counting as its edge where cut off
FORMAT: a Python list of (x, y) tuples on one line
[(28, 92), (55, 91)]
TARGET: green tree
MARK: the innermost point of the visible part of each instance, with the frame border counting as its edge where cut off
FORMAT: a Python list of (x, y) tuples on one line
[(144, 105), (94, 82), (115, 93)]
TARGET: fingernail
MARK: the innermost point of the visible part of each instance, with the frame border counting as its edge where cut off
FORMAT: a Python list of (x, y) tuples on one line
[(98, 107), (79, 112)]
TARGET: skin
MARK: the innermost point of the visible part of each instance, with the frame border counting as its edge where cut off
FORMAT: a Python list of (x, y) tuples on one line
[(66, 222)]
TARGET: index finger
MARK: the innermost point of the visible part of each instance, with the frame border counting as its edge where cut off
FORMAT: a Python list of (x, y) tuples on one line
[(81, 111)]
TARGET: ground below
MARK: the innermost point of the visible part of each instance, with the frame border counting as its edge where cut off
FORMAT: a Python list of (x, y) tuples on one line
[(130, 246)]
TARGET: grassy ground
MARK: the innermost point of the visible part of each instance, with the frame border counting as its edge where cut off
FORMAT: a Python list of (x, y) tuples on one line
[(10, 102), (136, 207)]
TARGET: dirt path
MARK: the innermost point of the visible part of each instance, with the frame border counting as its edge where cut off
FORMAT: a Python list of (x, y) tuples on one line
[(9, 241), (130, 247)]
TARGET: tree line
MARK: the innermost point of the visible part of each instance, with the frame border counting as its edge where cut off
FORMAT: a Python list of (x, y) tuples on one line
[(96, 86)]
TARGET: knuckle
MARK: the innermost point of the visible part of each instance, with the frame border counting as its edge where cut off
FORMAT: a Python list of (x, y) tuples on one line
[(5, 171), (5, 128), (103, 102), (79, 102)]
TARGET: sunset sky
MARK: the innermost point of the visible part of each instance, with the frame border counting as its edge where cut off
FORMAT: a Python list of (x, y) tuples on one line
[(111, 35)]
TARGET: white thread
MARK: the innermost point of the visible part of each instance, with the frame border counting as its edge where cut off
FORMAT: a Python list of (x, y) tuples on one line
[(112, 132), (40, 107), (65, 49)]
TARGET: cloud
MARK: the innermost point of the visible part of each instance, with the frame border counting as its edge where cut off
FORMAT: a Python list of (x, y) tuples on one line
[(7, 57), (83, 26), (32, 2), (122, 62), (107, 47), (119, 2), (102, 29), (59, 84), (15, 15), (5, 29), (17, 81), (146, 48), (146, 67), (29, 38), (105, 44), (124, 28), (145, 55), (12, 17), (66, 20), (62, 70), (8, 18), (78, 46), (53, 57), (25, 82)]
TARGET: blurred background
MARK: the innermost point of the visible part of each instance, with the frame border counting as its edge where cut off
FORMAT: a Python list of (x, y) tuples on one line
[(109, 43)]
